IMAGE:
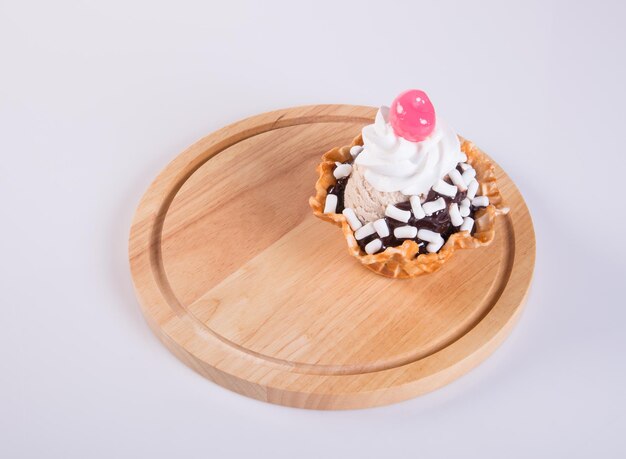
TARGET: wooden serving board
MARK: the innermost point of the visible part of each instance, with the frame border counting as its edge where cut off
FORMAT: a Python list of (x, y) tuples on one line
[(242, 283)]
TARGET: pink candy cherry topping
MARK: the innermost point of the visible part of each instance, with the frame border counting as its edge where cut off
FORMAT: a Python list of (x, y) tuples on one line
[(412, 115)]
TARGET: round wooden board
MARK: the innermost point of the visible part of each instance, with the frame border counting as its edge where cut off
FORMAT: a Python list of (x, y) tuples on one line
[(242, 283)]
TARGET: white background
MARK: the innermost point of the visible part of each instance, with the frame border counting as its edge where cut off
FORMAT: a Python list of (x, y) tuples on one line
[(97, 97)]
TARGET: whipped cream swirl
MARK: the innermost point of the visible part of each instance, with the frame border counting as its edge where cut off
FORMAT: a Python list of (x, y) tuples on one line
[(392, 163)]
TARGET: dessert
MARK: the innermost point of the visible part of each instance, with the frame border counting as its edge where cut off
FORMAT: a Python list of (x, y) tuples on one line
[(408, 191)]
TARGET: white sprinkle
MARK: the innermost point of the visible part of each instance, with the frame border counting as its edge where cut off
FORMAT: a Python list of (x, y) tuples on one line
[(381, 227), (456, 178), (397, 214), (405, 232), (373, 246), (364, 231), (468, 224), (472, 188), (463, 157), (455, 215), (355, 150), (352, 219), (465, 166), (428, 235), (434, 246), (464, 207), (342, 170), (480, 201), (445, 188), (431, 207), (416, 205), (469, 175), (331, 204)]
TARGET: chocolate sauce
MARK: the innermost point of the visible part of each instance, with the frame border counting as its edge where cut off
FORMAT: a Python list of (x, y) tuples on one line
[(438, 222), (338, 189)]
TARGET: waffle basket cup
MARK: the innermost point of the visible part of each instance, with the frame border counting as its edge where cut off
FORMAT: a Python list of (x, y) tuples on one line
[(401, 262)]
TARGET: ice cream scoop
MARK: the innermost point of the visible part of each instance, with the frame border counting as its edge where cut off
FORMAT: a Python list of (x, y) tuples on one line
[(367, 202)]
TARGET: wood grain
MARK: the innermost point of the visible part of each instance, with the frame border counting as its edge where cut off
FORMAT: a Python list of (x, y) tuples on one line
[(243, 284)]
